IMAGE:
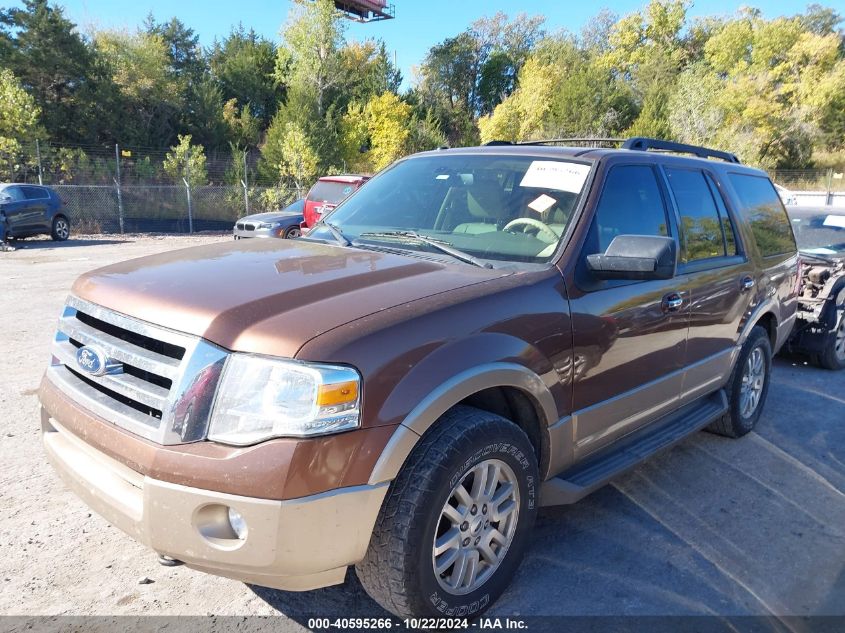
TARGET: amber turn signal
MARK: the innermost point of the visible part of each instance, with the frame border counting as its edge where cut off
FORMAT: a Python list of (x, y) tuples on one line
[(339, 393)]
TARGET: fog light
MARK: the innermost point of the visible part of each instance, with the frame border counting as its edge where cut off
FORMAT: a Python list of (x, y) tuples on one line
[(238, 523)]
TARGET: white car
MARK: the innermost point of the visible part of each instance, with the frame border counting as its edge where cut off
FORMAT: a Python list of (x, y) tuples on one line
[(787, 197)]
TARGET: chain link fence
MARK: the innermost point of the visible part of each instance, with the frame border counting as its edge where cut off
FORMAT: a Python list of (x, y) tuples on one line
[(165, 208), (117, 189), (812, 187), (129, 190)]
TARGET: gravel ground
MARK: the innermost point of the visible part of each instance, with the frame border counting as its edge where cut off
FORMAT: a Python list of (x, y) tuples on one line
[(714, 526)]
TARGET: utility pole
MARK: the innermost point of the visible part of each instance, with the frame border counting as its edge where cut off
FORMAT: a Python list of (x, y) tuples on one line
[(38, 154), (245, 182), (187, 181), (117, 186)]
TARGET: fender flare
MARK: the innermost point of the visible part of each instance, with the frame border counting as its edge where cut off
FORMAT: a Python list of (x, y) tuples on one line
[(759, 311), (448, 394)]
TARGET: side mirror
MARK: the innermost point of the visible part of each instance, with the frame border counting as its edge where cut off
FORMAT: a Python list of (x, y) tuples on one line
[(637, 257)]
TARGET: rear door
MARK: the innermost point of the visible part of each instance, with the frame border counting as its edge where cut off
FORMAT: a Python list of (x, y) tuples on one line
[(629, 336), (719, 275), (776, 284), (38, 207)]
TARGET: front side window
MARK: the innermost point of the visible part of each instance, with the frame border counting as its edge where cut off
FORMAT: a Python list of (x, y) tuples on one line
[(630, 204), (15, 194), (492, 207), (701, 228), (762, 208)]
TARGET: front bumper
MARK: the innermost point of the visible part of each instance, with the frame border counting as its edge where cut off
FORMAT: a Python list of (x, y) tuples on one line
[(243, 234), (296, 545)]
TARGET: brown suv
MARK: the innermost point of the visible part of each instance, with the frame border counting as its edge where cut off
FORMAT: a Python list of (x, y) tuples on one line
[(474, 334)]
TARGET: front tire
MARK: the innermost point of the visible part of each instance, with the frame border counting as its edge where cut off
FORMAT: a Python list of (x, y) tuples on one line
[(292, 233), (833, 356), (748, 386), (61, 229), (455, 523)]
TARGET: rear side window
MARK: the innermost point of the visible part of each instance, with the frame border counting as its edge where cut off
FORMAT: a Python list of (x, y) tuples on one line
[(700, 223), (330, 191), (35, 193), (762, 209), (630, 204)]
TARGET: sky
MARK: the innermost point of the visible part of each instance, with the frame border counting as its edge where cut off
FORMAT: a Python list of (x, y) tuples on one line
[(418, 25)]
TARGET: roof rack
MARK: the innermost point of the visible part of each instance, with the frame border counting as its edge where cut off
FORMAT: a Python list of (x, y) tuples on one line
[(639, 143), (569, 142), (577, 142), (645, 144)]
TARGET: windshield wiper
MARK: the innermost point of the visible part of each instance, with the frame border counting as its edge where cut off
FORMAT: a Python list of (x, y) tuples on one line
[(440, 245), (337, 234)]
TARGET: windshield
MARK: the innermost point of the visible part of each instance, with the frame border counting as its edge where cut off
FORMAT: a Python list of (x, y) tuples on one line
[(503, 208), (820, 232), (330, 191)]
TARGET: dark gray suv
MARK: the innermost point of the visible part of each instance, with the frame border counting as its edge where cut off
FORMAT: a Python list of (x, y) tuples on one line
[(33, 210)]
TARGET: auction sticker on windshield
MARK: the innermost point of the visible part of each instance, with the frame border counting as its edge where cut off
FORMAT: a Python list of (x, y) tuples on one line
[(552, 174)]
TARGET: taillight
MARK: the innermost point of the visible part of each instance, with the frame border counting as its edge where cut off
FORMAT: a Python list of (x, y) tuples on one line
[(799, 282)]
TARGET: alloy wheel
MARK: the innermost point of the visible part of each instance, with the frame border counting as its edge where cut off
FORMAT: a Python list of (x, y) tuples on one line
[(753, 381), (476, 527), (62, 229)]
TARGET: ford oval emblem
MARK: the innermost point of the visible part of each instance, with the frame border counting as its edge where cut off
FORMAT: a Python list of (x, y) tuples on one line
[(92, 360)]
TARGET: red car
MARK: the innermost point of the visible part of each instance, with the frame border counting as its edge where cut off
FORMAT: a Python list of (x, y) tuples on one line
[(327, 193)]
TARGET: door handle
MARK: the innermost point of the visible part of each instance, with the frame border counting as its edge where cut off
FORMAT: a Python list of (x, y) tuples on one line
[(746, 283), (672, 302)]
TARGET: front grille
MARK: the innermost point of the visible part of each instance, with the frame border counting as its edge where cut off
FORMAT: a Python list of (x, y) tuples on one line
[(159, 384), (240, 226)]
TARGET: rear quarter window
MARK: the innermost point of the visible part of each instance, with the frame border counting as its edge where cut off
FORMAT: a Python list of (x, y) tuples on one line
[(762, 209)]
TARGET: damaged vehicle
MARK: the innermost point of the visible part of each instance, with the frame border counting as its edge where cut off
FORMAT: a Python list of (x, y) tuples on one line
[(474, 334), (820, 324)]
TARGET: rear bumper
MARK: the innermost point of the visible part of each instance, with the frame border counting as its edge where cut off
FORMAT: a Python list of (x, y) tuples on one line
[(296, 545)]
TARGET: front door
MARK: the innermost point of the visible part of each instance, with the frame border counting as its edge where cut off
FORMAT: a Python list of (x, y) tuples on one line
[(629, 336), (15, 206)]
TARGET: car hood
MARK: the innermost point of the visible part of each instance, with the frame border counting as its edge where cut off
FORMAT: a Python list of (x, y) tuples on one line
[(270, 216), (268, 296)]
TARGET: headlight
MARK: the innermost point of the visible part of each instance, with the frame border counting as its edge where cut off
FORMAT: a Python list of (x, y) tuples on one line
[(268, 225), (259, 398)]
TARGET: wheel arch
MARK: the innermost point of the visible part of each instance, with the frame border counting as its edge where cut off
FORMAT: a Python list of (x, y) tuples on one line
[(506, 389)]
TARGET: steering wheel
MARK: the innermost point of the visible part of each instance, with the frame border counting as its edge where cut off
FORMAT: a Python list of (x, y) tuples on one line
[(541, 227)]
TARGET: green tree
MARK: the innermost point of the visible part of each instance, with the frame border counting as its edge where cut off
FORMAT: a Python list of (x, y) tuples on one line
[(311, 60), (243, 127), (563, 91), (55, 65), (646, 49), (243, 63), (18, 122), (151, 93), (204, 114), (186, 161), (183, 49)]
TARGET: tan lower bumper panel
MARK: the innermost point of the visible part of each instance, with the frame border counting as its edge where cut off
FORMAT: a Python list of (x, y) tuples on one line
[(296, 545)]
